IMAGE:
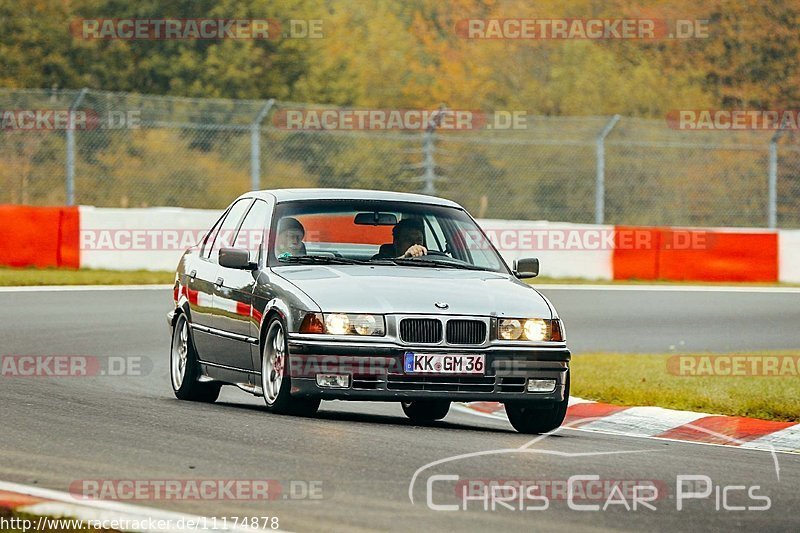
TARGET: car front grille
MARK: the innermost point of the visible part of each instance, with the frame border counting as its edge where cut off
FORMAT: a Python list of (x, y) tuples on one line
[(460, 332), (466, 332), (421, 330)]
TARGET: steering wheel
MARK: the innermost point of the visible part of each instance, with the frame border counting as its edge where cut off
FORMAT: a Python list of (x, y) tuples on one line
[(434, 253)]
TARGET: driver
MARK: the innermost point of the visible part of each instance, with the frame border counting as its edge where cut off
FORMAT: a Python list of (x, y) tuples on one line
[(407, 239), (290, 238)]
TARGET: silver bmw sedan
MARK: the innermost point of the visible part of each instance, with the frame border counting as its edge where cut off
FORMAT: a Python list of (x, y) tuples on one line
[(304, 295)]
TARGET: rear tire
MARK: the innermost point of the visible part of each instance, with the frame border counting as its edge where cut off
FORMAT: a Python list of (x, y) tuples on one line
[(536, 417), (275, 379), (426, 410), (185, 368)]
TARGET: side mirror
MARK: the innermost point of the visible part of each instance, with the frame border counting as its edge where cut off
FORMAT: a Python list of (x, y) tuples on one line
[(527, 267), (235, 258)]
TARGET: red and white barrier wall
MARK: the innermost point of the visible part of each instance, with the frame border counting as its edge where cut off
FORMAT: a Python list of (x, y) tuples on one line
[(789, 255), (154, 238), (39, 236), (564, 250), (707, 254), (140, 238)]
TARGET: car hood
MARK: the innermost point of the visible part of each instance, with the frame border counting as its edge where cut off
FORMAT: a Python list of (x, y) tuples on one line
[(414, 290)]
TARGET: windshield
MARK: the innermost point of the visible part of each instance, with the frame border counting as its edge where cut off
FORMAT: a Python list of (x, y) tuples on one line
[(379, 233)]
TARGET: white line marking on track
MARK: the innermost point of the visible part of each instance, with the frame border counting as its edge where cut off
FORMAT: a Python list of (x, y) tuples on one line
[(763, 446), (63, 504), (767, 448), (79, 288), (643, 421), (574, 400), (543, 287), (787, 438), (668, 288), (466, 410)]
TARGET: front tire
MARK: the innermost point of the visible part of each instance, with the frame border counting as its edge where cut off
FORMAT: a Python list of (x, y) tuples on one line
[(185, 368), (426, 410), (275, 379), (533, 417)]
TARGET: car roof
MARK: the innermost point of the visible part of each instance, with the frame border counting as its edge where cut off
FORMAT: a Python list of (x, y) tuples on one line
[(289, 195)]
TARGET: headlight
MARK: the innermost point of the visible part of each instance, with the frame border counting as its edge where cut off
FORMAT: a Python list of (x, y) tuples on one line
[(530, 329), (510, 330), (536, 330), (337, 324), (365, 324), (344, 324)]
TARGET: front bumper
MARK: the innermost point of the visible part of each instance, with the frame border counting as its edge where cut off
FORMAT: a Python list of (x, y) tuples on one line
[(376, 373)]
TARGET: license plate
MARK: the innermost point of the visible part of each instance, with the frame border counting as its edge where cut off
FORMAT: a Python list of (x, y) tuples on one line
[(420, 363)]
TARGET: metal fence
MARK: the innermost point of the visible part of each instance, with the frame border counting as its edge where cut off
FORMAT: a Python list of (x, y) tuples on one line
[(136, 150)]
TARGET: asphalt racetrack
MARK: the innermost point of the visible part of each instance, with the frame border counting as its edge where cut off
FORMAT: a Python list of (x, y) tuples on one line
[(356, 466)]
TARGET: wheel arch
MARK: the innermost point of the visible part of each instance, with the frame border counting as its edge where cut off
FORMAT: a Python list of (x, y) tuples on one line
[(273, 308), (182, 308)]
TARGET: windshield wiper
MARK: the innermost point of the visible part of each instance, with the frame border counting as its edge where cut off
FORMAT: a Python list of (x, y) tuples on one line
[(400, 261), (408, 261), (320, 259)]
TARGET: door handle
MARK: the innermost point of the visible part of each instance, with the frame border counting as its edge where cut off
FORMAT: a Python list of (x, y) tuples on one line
[(219, 282), (192, 275)]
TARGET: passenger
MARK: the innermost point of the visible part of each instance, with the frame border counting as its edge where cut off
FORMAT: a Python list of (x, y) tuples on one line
[(290, 238)]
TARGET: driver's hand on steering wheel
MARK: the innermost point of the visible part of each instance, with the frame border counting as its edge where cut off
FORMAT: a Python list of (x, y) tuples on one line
[(415, 250)]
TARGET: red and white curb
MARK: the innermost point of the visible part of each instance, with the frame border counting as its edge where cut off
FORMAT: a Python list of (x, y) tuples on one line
[(50, 503), (668, 424)]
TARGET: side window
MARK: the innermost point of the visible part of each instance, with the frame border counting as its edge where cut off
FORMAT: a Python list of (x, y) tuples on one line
[(208, 239), (227, 230), (470, 245), (251, 234)]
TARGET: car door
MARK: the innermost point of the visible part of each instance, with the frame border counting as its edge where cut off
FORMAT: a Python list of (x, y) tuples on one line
[(233, 292), (197, 280), (203, 278)]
